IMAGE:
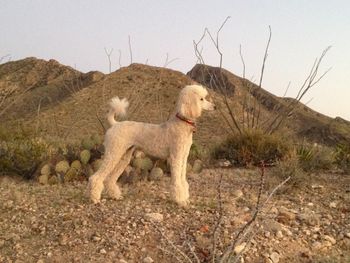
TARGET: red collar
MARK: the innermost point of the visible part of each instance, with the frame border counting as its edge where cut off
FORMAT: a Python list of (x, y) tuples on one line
[(192, 123)]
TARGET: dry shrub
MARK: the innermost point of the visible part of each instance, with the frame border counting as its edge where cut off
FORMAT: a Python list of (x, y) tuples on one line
[(20, 153), (253, 147), (289, 167), (342, 157), (315, 157)]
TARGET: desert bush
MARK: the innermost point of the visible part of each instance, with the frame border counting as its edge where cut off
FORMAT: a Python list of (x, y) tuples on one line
[(289, 167), (342, 157), (253, 147), (20, 153), (315, 157)]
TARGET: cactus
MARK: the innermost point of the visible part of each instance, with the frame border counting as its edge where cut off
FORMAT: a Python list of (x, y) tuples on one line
[(156, 174), (62, 167), (142, 163), (85, 156), (76, 165), (43, 179), (97, 139), (87, 143), (53, 180), (197, 166), (88, 170), (71, 175), (45, 170), (163, 164), (96, 164)]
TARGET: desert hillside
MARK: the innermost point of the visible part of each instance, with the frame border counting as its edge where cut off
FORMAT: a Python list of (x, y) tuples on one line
[(59, 101)]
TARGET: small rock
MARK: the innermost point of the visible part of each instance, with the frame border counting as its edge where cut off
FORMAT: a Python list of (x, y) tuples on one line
[(285, 216), (148, 260), (238, 249), (347, 235), (333, 205), (103, 251), (237, 193), (330, 239), (156, 217), (279, 234), (275, 257), (122, 261), (49, 254), (267, 234), (223, 163)]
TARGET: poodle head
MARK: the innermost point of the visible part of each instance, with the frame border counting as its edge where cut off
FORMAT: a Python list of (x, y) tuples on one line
[(192, 101)]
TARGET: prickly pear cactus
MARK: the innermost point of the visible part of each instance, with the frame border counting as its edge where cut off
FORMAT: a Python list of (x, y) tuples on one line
[(43, 179), (156, 174), (197, 166), (46, 169), (71, 175), (96, 164), (62, 167), (53, 180), (85, 156), (87, 143), (142, 163), (76, 165), (97, 139)]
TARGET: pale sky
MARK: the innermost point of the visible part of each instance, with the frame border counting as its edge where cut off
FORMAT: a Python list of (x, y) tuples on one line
[(76, 32)]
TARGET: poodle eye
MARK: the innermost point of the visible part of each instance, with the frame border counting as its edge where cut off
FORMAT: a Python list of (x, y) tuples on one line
[(202, 99)]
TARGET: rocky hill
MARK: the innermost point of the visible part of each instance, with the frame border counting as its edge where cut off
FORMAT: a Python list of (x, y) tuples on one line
[(59, 101)]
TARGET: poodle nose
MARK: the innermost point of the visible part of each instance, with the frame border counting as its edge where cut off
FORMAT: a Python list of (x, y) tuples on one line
[(214, 107)]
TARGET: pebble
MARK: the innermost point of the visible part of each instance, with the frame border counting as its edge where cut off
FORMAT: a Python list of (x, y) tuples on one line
[(333, 205), (237, 193), (238, 249), (103, 251), (347, 235), (156, 217), (330, 239), (148, 260), (279, 234), (275, 257)]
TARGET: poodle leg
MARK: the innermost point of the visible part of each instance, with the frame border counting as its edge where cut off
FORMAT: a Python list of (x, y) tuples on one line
[(177, 186), (184, 182), (111, 181), (111, 159)]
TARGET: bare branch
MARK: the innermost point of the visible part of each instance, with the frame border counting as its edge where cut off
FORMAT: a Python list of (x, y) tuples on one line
[(130, 49), (108, 54), (120, 58)]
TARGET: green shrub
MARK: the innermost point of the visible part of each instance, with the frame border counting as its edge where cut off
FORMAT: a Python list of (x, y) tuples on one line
[(342, 157), (20, 153), (315, 157), (253, 147)]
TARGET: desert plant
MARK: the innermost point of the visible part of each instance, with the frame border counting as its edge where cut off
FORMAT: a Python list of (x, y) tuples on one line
[(253, 147), (342, 157), (20, 153), (315, 157)]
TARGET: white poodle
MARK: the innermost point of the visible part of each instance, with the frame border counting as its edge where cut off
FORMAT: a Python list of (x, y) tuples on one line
[(170, 141)]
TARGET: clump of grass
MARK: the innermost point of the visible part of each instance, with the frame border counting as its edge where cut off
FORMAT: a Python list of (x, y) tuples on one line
[(20, 153), (314, 157), (342, 157), (252, 148)]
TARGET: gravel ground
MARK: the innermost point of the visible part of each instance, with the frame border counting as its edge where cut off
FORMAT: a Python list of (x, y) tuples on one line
[(310, 223)]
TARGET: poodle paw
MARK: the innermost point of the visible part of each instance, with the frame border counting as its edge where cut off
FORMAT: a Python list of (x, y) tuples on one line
[(183, 203)]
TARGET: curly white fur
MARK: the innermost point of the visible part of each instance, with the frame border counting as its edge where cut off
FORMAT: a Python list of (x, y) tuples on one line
[(170, 140)]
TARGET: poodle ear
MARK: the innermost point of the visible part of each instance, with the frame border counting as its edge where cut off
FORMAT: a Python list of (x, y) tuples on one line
[(189, 106)]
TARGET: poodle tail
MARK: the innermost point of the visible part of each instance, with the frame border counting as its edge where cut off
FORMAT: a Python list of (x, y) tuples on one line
[(117, 107)]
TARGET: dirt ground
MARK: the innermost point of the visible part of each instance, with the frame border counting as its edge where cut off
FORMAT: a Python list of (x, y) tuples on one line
[(308, 223)]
